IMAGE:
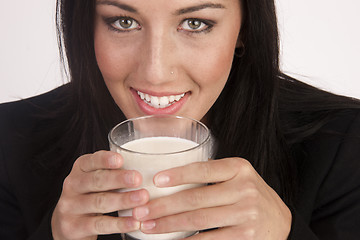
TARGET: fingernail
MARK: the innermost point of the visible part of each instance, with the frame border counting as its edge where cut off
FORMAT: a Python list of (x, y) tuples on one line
[(136, 196), (130, 177), (114, 161), (148, 225), (141, 212), (162, 180)]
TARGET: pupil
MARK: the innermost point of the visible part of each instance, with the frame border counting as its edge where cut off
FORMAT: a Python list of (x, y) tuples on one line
[(126, 23), (194, 24)]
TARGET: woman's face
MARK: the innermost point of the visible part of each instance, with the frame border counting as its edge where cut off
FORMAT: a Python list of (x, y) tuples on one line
[(166, 56)]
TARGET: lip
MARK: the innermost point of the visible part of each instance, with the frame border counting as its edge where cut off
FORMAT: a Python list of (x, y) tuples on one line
[(148, 110)]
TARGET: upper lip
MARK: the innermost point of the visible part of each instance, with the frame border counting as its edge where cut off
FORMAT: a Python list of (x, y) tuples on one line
[(159, 94)]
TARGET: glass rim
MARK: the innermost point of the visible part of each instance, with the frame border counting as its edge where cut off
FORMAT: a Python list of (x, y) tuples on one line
[(207, 138)]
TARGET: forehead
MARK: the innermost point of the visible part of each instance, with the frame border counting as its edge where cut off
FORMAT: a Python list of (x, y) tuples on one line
[(179, 6)]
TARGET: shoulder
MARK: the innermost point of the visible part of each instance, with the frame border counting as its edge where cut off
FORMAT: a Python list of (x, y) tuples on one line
[(20, 115), (39, 102), (329, 166), (25, 125), (341, 131), (345, 121), (22, 122), (341, 138), (29, 127), (334, 139)]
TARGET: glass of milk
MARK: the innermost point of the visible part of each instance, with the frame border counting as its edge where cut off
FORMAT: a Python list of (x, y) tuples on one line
[(154, 143)]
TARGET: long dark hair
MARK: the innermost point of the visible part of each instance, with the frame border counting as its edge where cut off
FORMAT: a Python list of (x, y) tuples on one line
[(250, 119)]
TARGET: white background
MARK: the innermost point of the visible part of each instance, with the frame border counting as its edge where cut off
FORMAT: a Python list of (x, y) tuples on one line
[(320, 43)]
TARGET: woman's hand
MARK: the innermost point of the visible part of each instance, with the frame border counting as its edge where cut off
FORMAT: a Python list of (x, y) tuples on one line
[(87, 194), (241, 205)]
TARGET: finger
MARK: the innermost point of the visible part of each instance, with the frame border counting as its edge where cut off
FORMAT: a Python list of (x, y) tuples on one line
[(106, 202), (191, 199), (100, 160), (203, 172), (201, 219), (100, 225), (106, 180)]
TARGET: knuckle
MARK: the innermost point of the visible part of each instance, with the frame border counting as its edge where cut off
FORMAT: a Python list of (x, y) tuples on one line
[(250, 186), (235, 162), (100, 202), (253, 214), (68, 184), (157, 205), (196, 197), (67, 229), (100, 225), (82, 160), (102, 156), (63, 206), (91, 162), (245, 233), (199, 221), (249, 234), (97, 179), (244, 166), (252, 192), (206, 171), (99, 153), (248, 191), (122, 225)]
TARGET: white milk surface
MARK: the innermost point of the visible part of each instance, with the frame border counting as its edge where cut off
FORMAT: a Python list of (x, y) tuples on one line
[(159, 153)]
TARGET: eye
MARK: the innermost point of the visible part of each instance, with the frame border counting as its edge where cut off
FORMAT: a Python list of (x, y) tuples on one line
[(195, 25), (126, 23), (123, 24)]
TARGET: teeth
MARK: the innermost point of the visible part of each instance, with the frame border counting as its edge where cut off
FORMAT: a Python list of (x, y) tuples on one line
[(155, 100), (142, 95), (160, 102), (164, 101)]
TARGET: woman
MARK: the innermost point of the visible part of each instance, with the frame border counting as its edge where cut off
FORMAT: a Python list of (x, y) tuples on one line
[(286, 155)]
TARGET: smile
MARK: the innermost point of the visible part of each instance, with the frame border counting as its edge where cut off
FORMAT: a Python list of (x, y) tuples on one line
[(160, 102)]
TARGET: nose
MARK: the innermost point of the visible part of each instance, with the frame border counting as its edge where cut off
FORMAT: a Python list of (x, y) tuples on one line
[(157, 66)]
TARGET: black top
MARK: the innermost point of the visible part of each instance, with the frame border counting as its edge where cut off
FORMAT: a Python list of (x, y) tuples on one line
[(327, 206)]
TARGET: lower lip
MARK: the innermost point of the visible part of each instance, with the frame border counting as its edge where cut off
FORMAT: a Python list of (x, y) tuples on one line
[(149, 110)]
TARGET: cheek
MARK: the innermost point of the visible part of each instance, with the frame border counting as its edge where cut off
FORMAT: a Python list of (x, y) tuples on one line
[(214, 62), (113, 59), (211, 72), (219, 65), (108, 61), (114, 64), (213, 69), (210, 76)]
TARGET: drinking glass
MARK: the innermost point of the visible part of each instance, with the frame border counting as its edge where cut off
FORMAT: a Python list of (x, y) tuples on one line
[(154, 143)]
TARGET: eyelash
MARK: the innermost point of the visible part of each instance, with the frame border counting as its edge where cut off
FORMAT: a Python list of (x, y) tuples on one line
[(110, 21), (209, 24)]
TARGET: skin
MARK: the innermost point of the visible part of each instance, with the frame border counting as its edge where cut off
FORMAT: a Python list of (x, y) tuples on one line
[(154, 56), (144, 59)]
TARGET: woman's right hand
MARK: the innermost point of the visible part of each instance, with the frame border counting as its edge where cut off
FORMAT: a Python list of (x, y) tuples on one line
[(88, 193)]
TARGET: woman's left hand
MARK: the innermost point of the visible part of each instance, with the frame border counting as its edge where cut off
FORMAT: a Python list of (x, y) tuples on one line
[(240, 204)]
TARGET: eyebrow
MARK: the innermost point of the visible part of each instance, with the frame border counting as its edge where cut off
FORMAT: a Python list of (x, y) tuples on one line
[(198, 7), (178, 12), (117, 4)]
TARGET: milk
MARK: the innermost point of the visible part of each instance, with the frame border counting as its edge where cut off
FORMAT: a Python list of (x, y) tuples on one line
[(152, 155)]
